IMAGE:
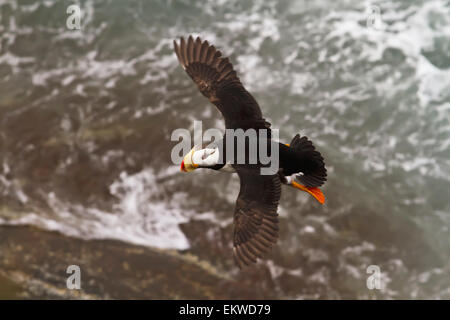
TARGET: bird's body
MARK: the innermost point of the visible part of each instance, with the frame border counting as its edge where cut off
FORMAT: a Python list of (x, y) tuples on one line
[(299, 164)]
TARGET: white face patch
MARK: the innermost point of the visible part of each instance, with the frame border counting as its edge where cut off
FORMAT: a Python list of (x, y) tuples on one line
[(206, 157), (209, 157)]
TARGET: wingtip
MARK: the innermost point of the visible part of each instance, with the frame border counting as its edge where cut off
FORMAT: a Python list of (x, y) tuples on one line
[(175, 47)]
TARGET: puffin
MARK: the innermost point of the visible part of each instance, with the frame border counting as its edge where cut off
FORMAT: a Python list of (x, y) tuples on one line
[(301, 166)]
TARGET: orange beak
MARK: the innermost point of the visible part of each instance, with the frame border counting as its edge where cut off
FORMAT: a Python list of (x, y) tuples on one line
[(315, 192), (187, 165), (183, 168)]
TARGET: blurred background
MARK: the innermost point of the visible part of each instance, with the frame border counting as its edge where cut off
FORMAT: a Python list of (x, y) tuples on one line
[(85, 171)]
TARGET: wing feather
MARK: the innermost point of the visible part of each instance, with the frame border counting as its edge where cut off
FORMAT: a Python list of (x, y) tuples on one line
[(218, 81), (255, 217), (204, 52)]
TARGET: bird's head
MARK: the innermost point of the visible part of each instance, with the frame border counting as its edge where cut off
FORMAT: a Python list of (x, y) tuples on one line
[(187, 165), (200, 158)]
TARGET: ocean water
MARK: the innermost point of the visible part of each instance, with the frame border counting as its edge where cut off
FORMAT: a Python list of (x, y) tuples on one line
[(86, 118)]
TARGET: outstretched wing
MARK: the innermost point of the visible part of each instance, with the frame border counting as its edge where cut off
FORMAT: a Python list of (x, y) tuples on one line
[(217, 80), (255, 216)]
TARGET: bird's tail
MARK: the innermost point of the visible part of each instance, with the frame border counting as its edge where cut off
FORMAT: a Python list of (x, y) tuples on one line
[(315, 173)]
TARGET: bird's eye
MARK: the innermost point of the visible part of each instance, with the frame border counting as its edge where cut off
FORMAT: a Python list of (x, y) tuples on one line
[(207, 153)]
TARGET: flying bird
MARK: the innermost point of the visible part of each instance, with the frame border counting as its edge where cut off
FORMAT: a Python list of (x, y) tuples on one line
[(301, 166)]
